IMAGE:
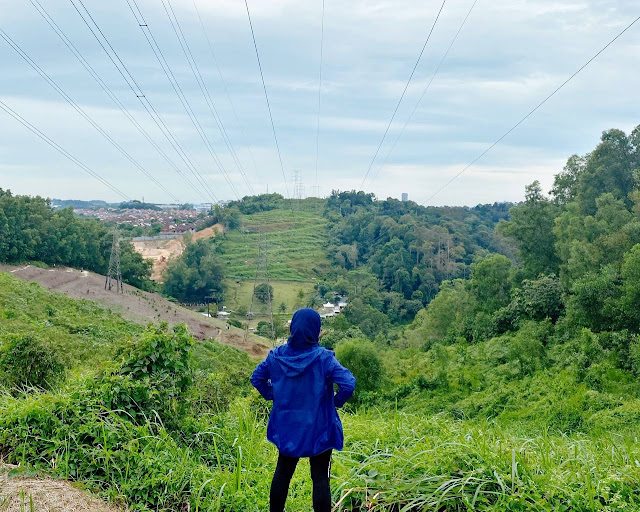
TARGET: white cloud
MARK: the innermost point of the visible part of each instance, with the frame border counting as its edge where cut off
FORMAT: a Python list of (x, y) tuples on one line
[(510, 55)]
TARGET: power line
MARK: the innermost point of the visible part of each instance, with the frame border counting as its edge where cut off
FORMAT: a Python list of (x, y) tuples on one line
[(61, 150), (144, 101), (533, 110), (402, 95), (319, 93), (203, 88), (424, 92), (166, 68), (424, 203), (80, 110), (273, 127), (224, 84), (78, 55)]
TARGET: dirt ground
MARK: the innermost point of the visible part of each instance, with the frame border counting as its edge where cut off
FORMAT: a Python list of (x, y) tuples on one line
[(46, 494), (137, 305), (161, 251)]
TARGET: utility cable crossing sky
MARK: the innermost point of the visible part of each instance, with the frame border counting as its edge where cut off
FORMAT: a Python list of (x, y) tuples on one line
[(266, 96), (201, 186), (548, 97), (395, 111)]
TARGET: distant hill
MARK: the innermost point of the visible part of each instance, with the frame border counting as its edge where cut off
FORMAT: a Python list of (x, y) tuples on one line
[(77, 203)]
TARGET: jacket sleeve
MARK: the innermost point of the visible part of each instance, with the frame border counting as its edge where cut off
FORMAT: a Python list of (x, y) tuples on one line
[(346, 383), (260, 380)]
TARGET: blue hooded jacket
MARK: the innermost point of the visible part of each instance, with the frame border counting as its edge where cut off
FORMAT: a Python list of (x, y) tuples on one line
[(299, 378)]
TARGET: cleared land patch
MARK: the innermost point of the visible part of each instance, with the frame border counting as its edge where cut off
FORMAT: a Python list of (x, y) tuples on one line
[(18, 494), (161, 251), (136, 305)]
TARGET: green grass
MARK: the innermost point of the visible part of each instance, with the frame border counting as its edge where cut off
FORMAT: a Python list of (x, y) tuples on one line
[(239, 294), (296, 245), (84, 332), (458, 428)]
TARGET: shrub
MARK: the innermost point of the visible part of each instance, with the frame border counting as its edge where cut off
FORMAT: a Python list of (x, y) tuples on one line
[(264, 293), (265, 329), (27, 361), (362, 359), (156, 373), (333, 337)]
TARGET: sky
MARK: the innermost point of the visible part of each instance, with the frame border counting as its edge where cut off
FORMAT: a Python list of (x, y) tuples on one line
[(509, 55)]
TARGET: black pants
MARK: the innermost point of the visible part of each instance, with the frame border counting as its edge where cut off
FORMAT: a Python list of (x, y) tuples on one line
[(320, 470)]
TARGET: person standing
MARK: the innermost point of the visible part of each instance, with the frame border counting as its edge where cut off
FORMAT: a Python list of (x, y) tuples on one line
[(299, 377)]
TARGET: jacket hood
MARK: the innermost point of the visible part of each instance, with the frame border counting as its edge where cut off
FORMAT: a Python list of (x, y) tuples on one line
[(305, 328), (302, 348)]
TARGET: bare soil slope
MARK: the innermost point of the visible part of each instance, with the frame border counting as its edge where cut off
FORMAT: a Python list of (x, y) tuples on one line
[(47, 495), (161, 251), (137, 305)]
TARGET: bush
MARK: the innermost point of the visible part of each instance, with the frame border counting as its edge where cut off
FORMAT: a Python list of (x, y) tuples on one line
[(26, 361), (264, 293), (362, 359), (333, 337), (265, 329), (156, 373)]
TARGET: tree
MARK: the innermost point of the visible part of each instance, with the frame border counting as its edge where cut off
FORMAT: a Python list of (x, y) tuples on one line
[(565, 184), (540, 298), (361, 358), (531, 226), (282, 307), (630, 301), (195, 275), (264, 293), (594, 300), (135, 269), (491, 282), (445, 313), (265, 329), (609, 168), (368, 319)]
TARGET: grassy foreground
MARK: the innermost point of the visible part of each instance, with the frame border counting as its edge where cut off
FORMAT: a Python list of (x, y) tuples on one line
[(153, 420)]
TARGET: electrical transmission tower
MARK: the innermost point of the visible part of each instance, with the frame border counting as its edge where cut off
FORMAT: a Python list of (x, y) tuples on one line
[(315, 191), (114, 274), (298, 189), (262, 276)]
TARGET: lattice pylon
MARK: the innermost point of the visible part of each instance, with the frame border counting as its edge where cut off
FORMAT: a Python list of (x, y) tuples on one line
[(262, 276), (114, 274)]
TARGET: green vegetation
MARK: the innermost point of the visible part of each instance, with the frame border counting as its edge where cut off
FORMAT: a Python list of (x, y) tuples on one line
[(30, 230), (195, 275), (138, 205), (26, 361), (238, 295), (295, 241), (264, 293), (514, 385)]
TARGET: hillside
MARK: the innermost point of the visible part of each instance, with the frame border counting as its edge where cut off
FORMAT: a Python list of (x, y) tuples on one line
[(496, 351), (296, 252), (296, 245), (135, 305)]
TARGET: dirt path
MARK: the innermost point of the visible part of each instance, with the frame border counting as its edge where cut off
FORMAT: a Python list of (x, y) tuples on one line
[(161, 251), (137, 305), (46, 494)]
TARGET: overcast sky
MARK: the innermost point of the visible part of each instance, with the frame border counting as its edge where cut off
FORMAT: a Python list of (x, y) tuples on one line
[(508, 57)]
